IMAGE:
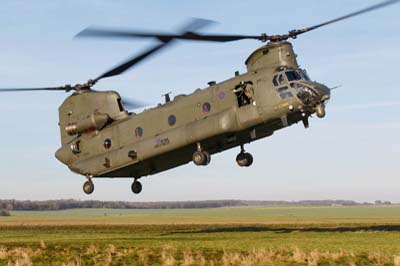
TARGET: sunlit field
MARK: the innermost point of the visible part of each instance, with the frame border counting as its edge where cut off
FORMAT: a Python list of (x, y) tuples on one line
[(222, 236)]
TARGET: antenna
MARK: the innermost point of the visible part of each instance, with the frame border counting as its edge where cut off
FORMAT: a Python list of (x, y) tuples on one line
[(166, 96)]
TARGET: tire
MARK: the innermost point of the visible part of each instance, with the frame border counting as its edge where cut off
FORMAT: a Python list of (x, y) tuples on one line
[(208, 158), (199, 158), (249, 159), (136, 187), (88, 187), (241, 159)]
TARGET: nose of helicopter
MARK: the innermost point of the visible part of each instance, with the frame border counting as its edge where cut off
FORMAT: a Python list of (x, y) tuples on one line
[(324, 95), (324, 92), (314, 96)]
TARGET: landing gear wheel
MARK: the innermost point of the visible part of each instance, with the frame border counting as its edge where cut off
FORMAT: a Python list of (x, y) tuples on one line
[(201, 158), (244, 159), (208, 158), (88, 187), (249, 158), (136, 187)]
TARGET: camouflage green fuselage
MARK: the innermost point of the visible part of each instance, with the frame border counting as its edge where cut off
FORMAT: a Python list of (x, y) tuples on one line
[(166, 136)]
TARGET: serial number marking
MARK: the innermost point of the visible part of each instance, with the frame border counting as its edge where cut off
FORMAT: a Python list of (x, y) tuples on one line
[(161, 142)]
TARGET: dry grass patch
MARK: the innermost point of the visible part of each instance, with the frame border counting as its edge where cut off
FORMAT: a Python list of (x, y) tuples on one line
[(3, 253), (396, 260), (167, 259), (172, 256), (43, 245)]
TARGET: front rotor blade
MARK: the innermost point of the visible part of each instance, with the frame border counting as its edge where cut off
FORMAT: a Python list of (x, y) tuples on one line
[(191, 25), (188, 33), (110, 33), (294, 33), (194, 24)]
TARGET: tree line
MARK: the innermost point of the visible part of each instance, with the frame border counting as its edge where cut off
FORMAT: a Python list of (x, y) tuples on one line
[(47, 205)]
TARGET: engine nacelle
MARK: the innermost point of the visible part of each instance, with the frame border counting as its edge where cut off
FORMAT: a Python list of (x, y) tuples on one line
[(91, 122)]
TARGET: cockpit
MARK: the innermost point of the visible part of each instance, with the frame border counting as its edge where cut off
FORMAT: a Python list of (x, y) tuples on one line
[(289, 82), (285, 77), (284, 74)]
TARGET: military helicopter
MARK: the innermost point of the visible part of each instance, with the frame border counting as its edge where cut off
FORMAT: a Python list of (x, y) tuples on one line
[(100, 138)]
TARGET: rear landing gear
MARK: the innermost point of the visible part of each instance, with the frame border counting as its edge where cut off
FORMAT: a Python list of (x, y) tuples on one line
[(244, 159), (201, 157), (136, 187), (88, 186)]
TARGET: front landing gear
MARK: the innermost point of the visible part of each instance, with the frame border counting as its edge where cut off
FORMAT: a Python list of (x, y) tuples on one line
[(244, 159), (88, 186), (201, 157), (136, 187)]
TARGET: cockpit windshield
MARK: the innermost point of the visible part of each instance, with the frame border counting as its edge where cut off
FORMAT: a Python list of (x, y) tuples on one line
[(304, 74), (290, 74)]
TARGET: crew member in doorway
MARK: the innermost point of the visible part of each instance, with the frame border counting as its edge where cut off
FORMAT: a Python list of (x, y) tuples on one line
[(244, 93)]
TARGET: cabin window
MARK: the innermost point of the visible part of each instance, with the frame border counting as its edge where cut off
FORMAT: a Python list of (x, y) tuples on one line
[(138, 132), (75, 147), (206, 107), (244, 93), (284, 93), (107, 144), (171, 120)]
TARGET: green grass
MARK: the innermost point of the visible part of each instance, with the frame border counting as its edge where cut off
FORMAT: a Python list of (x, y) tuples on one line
[(263, 236), (387, 214)]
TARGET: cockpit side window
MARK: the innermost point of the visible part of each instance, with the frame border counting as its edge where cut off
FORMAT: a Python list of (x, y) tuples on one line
[(278, 80), (275, 80), (281, 79), (292, 75), (284, 93)]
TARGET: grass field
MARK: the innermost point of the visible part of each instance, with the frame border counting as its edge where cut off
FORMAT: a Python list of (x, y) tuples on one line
[(224, 236)]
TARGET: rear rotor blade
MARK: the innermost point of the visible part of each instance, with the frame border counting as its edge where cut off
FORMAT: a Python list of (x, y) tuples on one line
[(62, 88), (193, 24), (131, 62)]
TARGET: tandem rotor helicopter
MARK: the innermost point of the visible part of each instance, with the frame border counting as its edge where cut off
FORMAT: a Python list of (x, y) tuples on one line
[(100, 138)]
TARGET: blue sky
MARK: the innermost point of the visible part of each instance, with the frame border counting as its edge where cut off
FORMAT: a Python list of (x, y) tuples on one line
[(353, 153)]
